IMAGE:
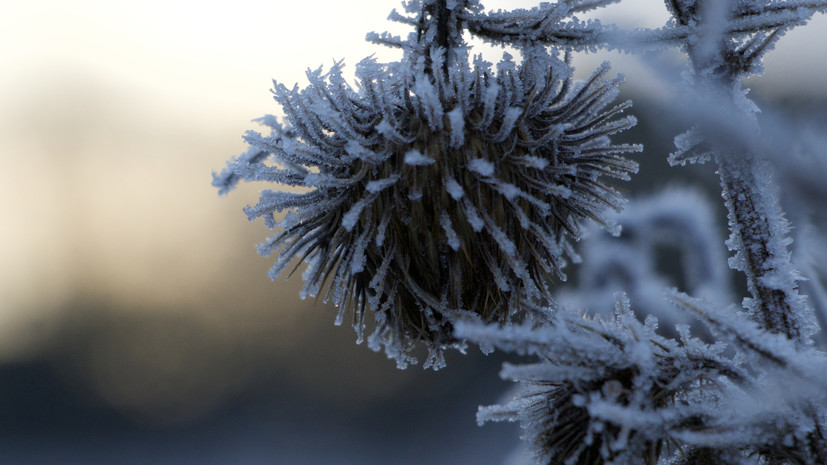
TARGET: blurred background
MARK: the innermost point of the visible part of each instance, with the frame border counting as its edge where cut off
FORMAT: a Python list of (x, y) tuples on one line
[(136, 321)]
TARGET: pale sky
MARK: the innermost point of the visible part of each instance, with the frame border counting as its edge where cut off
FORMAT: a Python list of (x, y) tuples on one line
[(190, 53)]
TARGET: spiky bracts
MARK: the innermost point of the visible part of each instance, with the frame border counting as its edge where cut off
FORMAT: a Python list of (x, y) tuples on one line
[(605, 390), (430, 195)]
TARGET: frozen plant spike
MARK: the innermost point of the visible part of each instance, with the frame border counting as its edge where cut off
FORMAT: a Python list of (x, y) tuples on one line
[(414, 162)]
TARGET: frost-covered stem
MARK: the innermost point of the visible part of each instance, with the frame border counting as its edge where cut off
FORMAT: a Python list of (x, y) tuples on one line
[(436, 14), (443, 38), (756, 220), (758, 228), (550, 24)]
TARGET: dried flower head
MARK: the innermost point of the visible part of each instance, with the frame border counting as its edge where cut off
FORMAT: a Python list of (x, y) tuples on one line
[(565, 432), (605, 390), (429, 195)]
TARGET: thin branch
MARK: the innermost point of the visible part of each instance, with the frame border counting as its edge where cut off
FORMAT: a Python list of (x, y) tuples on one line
[(756, 222), (553, 27)]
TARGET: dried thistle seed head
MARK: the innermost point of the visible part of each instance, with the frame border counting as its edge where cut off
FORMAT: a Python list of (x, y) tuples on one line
[(563, 431), (607, 389), (432, 195)]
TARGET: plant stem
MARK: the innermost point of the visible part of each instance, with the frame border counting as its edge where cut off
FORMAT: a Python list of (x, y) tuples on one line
[(756, 222)]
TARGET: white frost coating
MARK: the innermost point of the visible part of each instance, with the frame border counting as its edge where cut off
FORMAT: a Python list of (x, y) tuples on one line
[(506, 412), (354, 149), (386, 129), (534, 162), (509, 191), (357, 261), (525, 221), (454, 189), (499, 278), (562, 192), (389, 130), (691, 148), (473, 216), (456, 118), (350, 218), (377, 282), (490, 103), (763, 226), (381, 184), (380, 232), (429, 99), (416, 158), (505, 243), (481, 167), (313, 267), (450, 234), (509, 119), (323, 180)]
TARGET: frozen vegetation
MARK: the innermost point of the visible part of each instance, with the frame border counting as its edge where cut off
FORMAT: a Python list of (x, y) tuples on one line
[(440, 200)]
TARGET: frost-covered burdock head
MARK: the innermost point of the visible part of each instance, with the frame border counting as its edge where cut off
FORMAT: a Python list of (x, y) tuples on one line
[(606, 390), (435, 188), (435, 195)]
